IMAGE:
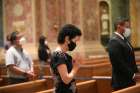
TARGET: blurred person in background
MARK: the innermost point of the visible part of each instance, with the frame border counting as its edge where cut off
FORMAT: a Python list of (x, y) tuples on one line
[(44, 54), (19, 63)]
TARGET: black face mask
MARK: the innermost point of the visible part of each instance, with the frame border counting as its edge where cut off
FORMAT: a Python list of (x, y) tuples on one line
[(71, 45)]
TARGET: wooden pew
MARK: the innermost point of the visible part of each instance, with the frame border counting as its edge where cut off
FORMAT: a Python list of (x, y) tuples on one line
[(102, 69), (96, 60), (95, 68), (83, 87), (98, 69), (91, 86), (85, 70), (40, 85), (1, 81), (27, 87), (97, 65), (132, 89), (46, 91), (104, 86)]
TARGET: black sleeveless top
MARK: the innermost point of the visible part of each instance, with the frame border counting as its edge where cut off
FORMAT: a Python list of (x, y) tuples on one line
[(58, 58)]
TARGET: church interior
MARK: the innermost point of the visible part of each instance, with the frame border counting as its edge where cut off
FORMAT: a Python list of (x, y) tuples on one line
[(96, 20)]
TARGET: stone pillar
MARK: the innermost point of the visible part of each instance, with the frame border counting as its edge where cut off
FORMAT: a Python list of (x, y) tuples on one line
[(133, 20), (91, 33), (90, 27), (54, 19), (68, 11), (77, 19), (44, 16), (38, 19)]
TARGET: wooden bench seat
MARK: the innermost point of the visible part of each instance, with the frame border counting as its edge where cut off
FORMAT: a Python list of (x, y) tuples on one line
[(1, 81), (31, 87), (85, 71), (46, 91), (103, 69), (83, 87), (132, 89), (27, 87), (91, 86)]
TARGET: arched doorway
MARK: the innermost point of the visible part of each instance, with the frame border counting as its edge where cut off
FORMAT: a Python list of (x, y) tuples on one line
[(104, 23)]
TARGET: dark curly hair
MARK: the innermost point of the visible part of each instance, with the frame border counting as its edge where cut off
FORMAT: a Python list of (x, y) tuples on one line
[(68, 30)]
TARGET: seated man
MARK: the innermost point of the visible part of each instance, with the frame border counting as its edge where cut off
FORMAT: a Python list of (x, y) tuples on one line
[(18, 62)]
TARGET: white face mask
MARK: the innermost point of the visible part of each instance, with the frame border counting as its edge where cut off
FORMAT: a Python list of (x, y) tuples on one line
[(22, 40), (46, 42), (127, 32)]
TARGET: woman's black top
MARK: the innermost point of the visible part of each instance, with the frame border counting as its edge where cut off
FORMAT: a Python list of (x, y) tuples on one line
[(58, 58)]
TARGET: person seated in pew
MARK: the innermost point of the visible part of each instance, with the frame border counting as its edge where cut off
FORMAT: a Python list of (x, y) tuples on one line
[(63, 66), (19, 63), (121, 53), (44, 54)]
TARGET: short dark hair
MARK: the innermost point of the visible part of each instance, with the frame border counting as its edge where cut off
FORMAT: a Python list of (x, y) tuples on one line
[(127, 19), (68, 30), (13, 36), (119, 21), (42, 39)]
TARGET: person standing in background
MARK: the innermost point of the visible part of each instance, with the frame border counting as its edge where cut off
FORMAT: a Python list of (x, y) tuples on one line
[(122, 58), (44, 54)]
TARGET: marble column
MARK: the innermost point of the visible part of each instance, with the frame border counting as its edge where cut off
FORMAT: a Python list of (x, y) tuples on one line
[(91, 31), (133, 20), (38, 19)]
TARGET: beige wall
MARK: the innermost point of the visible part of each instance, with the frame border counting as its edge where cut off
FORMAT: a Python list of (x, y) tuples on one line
[(83, 14), (41, 16), (18, 15), (135, 23), (138, 21)]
